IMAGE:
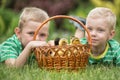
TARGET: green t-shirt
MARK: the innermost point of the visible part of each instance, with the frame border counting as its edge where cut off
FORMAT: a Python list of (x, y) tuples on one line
[(112, 55), (11, 48)]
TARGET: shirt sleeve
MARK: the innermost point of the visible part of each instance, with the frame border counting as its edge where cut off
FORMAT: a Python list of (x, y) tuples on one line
[(8, 50), (117, 57)]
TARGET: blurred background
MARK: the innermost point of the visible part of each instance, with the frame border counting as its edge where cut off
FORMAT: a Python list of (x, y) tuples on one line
[(10, 11)]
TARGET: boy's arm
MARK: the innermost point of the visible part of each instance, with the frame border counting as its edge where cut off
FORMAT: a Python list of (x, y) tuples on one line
[(22, 58)]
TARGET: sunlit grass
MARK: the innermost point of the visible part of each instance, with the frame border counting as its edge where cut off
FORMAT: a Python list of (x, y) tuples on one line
[(35, 73)]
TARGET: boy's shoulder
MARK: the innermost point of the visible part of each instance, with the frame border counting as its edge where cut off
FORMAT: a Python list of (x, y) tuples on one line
[(10, 48), (114, 44), (112, 41), (11, 41)]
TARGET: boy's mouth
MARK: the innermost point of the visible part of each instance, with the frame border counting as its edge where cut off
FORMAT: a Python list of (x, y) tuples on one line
[(94, 40)]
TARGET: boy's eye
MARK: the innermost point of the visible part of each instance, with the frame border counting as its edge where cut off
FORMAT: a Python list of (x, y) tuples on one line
[(100, 30), (31, 33), (42, 35), (89, 28)]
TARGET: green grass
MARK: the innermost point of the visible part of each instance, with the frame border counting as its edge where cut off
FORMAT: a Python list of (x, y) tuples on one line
[(35, 73)]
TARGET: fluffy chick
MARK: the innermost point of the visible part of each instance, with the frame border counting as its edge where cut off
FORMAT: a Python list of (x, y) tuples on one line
[(74, 40), (63, 41)]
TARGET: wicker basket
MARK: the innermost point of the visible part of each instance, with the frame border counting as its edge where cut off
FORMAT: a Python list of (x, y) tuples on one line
[(72, 61)]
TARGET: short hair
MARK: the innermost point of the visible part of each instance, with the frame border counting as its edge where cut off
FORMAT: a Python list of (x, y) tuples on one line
[(32, 14), (106, 13)]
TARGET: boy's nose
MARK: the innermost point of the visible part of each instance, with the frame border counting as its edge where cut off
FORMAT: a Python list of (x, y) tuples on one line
[(93, 33), (37, 38)]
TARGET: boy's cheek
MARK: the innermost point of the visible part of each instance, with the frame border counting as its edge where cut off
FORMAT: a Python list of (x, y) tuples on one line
[(28, 37), (42, 39), (86, 34)]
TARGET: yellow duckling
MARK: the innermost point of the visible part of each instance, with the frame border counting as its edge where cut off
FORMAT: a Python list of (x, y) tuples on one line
[(62, 42), (74, 40)]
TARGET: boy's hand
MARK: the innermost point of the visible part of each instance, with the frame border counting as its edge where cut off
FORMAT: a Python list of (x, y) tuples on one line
[(51, 42), (33, 44)]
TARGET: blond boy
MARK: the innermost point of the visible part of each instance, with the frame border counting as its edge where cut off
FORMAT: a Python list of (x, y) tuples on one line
[(101, 24), (16, 50)]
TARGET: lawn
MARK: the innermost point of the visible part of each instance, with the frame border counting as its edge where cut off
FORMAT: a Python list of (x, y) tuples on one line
[(33, 72)]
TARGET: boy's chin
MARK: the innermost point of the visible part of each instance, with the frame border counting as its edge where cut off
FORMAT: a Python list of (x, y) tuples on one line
[(94, 44)]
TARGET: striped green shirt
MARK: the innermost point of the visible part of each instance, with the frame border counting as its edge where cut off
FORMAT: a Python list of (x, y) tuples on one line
[(11, 48), (112, 55)]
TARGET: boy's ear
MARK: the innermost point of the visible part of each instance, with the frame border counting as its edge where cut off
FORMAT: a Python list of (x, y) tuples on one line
[(17, 31), (112, 33)]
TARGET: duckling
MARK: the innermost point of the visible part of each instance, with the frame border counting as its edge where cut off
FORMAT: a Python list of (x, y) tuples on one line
[(56, 41), (74, 40), (59, 42), (62, 42)]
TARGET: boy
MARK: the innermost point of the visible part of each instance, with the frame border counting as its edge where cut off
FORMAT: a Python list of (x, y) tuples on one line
[(16, 50), (101, 24)]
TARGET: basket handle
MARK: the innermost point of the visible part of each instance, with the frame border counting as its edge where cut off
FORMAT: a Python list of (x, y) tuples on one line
[(63, 16)]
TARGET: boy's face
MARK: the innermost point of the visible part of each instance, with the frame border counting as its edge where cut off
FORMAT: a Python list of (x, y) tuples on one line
[(27, 33), (99, 30)]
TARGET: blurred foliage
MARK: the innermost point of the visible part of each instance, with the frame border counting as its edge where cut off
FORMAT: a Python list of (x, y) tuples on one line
[(81, 11), (9, 18), (8, 21), (52, 7), (5, 3), (112, 4)]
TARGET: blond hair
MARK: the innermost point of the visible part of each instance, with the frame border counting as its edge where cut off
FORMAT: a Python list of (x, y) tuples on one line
[(32, 14), (105, 13)]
